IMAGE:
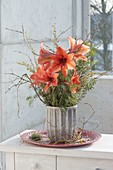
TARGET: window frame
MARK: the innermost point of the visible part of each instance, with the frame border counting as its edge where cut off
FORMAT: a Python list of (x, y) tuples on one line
[(81, 21), (80, 18)]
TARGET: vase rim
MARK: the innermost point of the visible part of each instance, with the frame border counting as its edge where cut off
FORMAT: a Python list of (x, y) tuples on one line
[(59, 107)]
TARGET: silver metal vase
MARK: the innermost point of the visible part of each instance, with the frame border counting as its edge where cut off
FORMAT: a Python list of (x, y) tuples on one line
[(60, 123)]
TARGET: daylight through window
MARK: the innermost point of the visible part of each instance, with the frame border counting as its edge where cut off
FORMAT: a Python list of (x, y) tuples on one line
[(101, 12)]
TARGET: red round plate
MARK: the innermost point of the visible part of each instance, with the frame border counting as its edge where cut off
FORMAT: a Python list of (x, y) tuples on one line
[(93, 137)]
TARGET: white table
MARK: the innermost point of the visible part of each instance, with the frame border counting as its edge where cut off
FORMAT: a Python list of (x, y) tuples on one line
[(23, 156)]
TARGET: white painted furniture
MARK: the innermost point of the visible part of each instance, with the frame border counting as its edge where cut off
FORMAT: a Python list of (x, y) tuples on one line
[(23, 156)]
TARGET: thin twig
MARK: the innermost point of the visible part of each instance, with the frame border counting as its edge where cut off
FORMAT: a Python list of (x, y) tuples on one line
[(27, 57), (63, 32), (83, 121), (34, 88)]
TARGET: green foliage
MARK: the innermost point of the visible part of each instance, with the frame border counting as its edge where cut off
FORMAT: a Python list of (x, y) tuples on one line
[(64, 94), (36, 137), (30, 99), (61, 96)]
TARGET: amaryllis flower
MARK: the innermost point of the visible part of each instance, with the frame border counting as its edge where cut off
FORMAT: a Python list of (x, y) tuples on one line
[(62, 61), (45, 77), (75, 78), (44, 55), (74, 82), (78, 48)]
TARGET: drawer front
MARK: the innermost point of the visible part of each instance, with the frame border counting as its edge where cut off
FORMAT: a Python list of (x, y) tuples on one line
[(70, 163), (34, 162)]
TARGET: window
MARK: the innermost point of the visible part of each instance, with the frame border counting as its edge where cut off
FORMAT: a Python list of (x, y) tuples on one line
[(80, 18), (95, 18), (101, 14)]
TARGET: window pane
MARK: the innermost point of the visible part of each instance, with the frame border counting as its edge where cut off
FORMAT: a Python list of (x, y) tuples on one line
[(101, 12)]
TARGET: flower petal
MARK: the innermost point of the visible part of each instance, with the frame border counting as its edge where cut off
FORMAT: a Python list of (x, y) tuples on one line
[(71, 65), (84, 49), (71, 42), (46, 87), (44, 55), (61, 52), (55, 67), (70, 56), (56, 59), (64, 72), (80, 56), (79, 41)]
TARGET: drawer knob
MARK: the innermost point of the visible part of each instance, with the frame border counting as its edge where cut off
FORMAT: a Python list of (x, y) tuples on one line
[(34, 166), (97, 169)]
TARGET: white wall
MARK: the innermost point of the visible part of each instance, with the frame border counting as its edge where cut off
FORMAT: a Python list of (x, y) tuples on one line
[(37, 17), (101, 100)]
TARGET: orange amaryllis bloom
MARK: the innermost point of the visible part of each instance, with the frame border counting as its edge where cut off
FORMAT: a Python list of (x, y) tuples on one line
[(78, 48), (62, 61), (37, 76), (45, 77), (44, 55), (74, 81)]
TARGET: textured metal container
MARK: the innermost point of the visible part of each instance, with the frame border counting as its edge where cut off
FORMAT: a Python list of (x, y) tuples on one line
[(60, 123)]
